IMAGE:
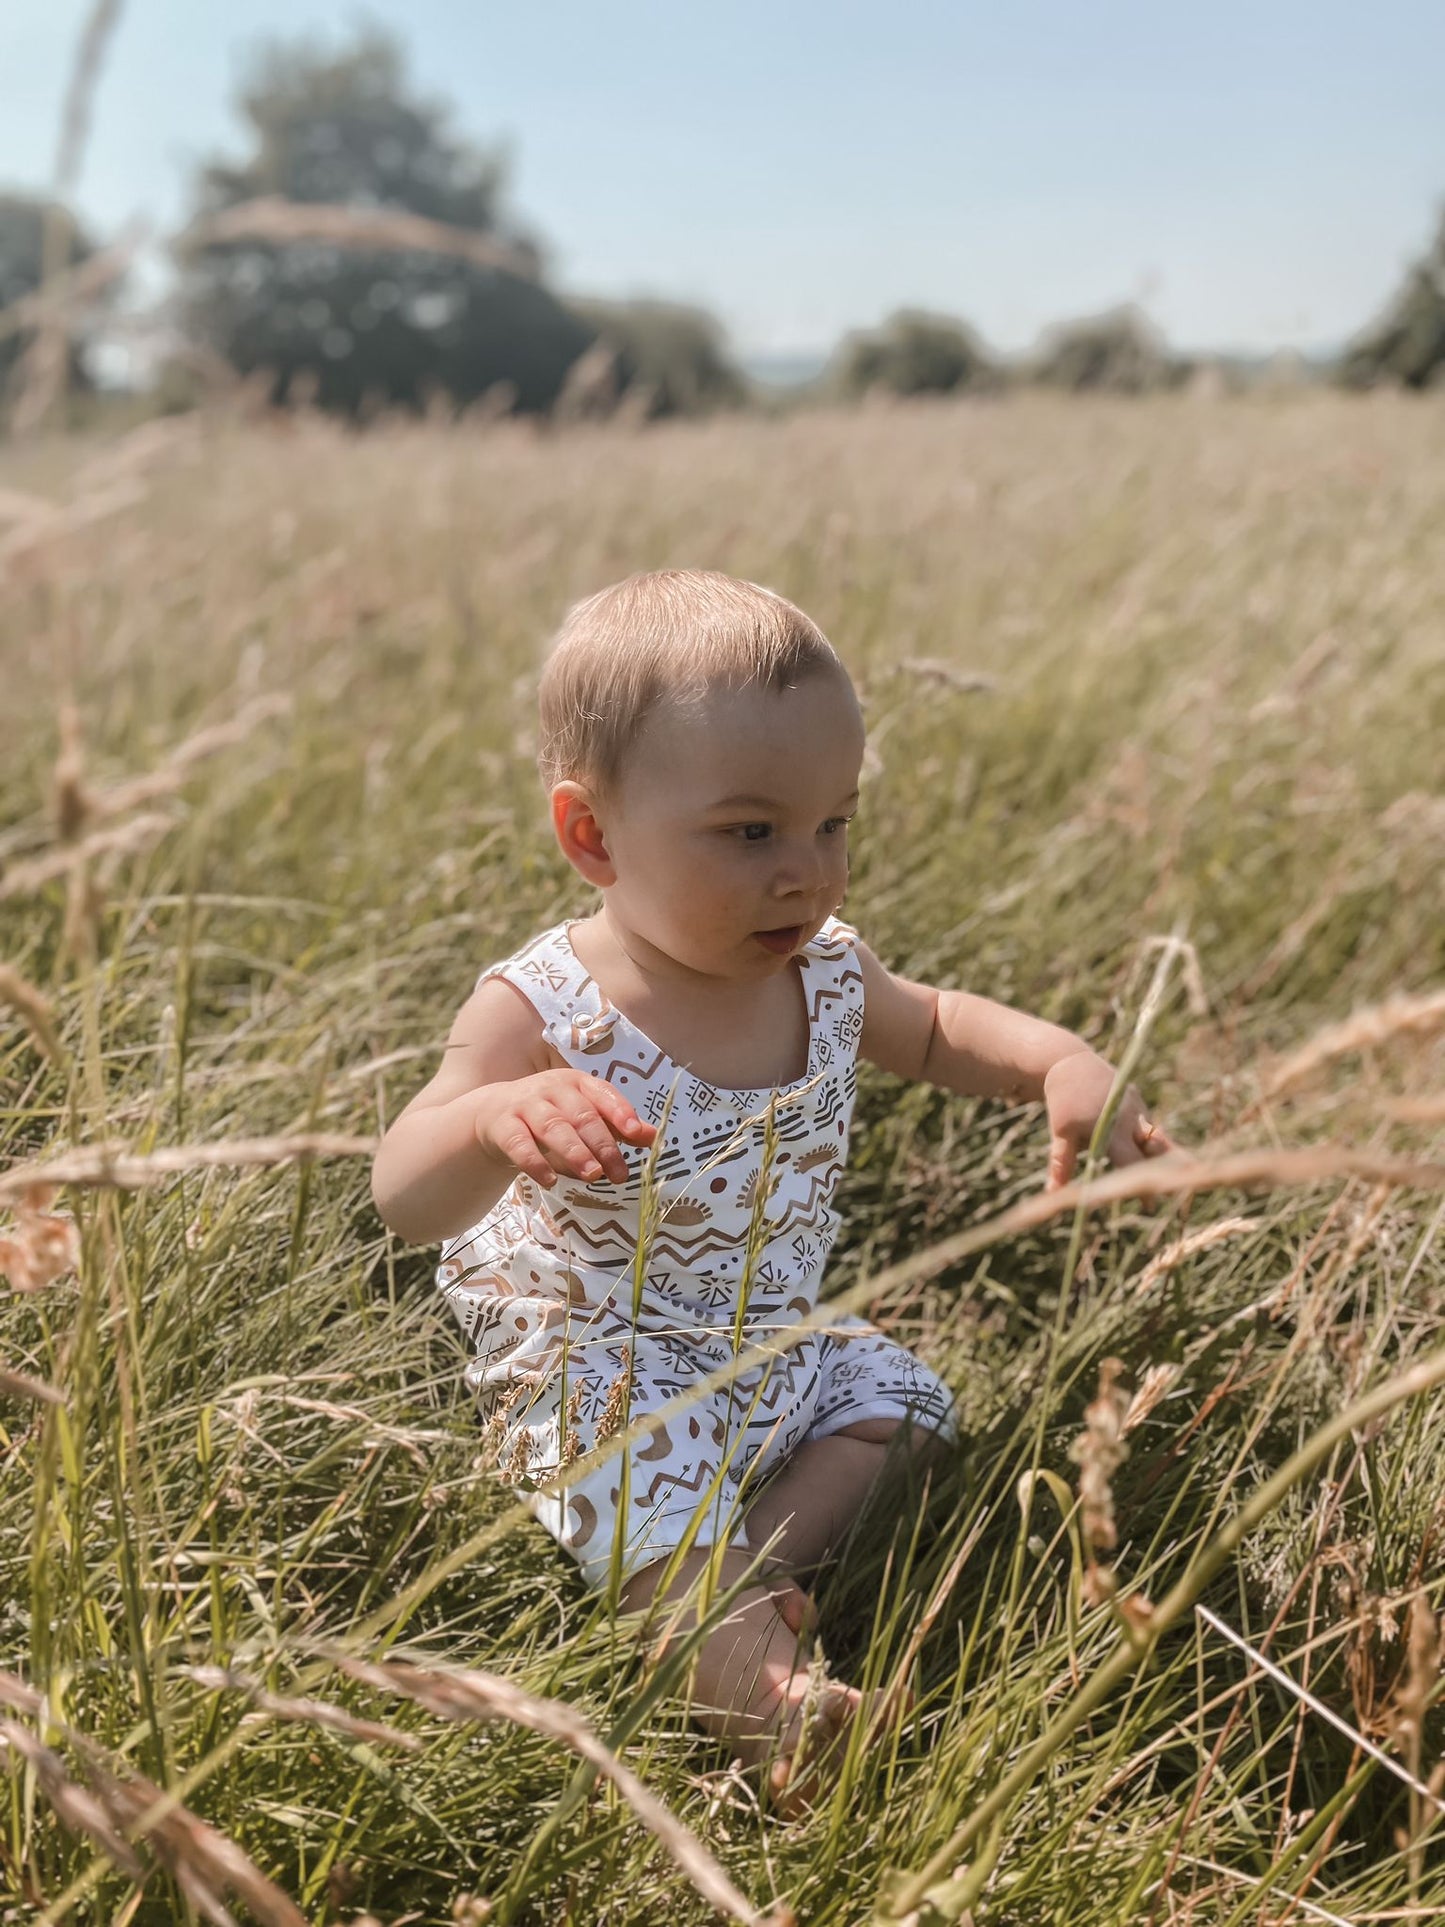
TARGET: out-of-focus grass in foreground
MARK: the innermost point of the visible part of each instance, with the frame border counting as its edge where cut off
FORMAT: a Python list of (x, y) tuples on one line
[(1131, 672)]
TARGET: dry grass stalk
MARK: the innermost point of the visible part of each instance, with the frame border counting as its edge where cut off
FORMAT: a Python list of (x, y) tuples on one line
[(74, 805), (368, 230), (136, 453), (1152, 1388), (22, 1385), (72, 862), (74, 287), (15, 504), (1429, 1109), (1099, 1451), (44, 1246), (75, 117), (1189, 1246), (515, 1466), (1190, 969), (45, 370), (946, 675), (70, 801), (121, 1806), (1178, 1175), (1413, 1697), (312, 1712), (1365, 1030), (75, 1805), (470, 1696), (614, 1408), (86, 510), (571, 1444), (205, 742), (112, 1166), (1318, 1706), (23, 997), (410, 1441)]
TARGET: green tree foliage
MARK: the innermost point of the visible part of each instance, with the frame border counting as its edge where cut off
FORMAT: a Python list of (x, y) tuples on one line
[(673, 358), (913, 353), (1121, 352), (1407, 344), (22, 264), (353, 324)]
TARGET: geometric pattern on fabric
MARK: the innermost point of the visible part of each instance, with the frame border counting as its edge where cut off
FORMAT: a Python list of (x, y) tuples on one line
[(568, 1299)]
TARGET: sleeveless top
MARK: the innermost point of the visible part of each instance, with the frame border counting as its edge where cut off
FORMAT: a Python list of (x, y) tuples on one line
[(550, 1271)]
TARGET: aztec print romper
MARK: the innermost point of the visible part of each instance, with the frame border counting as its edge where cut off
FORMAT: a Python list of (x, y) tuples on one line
[(545, 1287)]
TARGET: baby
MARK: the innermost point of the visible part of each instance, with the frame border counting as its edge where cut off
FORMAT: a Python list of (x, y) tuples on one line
[(632, 1145)]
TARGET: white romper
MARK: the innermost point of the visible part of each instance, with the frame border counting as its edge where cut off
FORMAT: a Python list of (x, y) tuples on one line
[(570, 1329)]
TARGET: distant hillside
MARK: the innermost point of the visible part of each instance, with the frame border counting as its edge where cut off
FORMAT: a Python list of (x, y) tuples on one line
[(785, 371)]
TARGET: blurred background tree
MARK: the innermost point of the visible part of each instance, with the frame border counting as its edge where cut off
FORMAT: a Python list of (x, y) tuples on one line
[(23, 220), (1120, 352), (912, 353), (673, 359), (382, 307), (1407, 344)]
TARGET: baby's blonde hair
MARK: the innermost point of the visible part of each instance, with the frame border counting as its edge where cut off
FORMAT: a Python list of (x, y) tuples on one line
[(672, 635)]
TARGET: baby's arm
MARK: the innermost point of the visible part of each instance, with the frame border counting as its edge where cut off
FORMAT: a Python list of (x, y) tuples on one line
[(979, 1048), (498, 1105)]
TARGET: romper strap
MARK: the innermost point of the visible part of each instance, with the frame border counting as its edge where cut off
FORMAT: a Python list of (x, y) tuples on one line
[(576, 1017)]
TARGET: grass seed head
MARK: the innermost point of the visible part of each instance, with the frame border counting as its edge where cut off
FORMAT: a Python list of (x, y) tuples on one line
[(614, 1410), (1098, 1451), (27, 1001), (43, 1247)]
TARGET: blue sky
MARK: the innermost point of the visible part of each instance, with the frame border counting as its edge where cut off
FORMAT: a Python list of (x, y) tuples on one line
[(1259, 173)]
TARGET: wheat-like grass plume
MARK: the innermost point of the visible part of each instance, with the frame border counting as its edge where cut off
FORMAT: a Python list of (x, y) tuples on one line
[(471, 1695), (1417, 1017)]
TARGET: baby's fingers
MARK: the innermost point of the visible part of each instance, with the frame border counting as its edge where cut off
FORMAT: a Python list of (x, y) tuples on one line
[(621, 1117), (1152, 1140), (566, 1149), (518, 1146), (1136, 1139), (596, 1131), (1063, 1160)]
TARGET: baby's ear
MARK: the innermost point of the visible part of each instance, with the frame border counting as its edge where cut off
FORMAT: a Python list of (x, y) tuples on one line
[(579, 833)]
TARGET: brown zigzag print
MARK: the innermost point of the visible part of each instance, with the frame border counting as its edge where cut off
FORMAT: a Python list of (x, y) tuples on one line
[(547, 1264)]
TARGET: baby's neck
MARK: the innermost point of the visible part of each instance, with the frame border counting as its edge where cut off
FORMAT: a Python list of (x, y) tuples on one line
[(734, 1035)]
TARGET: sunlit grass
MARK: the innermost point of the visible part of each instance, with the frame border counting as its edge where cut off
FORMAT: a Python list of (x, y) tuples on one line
[(1131, 673)]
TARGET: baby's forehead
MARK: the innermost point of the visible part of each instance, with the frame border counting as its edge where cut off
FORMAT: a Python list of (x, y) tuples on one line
[(725, 740)]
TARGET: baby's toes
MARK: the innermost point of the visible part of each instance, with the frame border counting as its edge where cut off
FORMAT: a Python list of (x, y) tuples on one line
[(811, 1749)]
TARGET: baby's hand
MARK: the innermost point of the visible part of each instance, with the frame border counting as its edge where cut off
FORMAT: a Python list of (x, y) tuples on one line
[(1076, 1091), (559, 1121)]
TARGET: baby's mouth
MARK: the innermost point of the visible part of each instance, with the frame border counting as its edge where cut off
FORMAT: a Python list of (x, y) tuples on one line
[(780, 942)]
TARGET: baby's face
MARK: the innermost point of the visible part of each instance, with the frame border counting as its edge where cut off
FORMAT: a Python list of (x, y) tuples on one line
[(729, 827)]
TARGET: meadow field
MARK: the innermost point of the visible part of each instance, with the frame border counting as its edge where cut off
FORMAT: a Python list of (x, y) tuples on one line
[(1156, 697)]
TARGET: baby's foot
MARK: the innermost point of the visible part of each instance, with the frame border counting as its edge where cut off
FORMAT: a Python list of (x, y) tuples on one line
[(810, 1751)]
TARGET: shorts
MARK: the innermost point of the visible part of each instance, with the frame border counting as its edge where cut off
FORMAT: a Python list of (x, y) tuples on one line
[(707, 1455)]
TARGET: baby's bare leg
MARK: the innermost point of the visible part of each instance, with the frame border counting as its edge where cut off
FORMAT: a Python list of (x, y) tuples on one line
[(818, 1494), (751, 1677), (751, 1673)]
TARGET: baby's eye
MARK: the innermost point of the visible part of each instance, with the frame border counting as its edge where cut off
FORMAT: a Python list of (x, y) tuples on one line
[(754, 832), (835, 823)]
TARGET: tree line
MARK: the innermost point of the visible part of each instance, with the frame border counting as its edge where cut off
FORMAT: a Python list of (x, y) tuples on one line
[(360, 256)]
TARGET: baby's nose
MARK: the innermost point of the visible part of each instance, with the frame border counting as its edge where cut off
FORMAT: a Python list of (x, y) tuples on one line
[(799, 872)]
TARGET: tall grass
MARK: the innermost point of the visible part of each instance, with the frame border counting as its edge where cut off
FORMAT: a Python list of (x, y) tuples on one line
[(1155, 712)]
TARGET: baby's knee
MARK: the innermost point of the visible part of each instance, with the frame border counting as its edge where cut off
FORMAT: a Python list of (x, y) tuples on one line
[(922, 1442)]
